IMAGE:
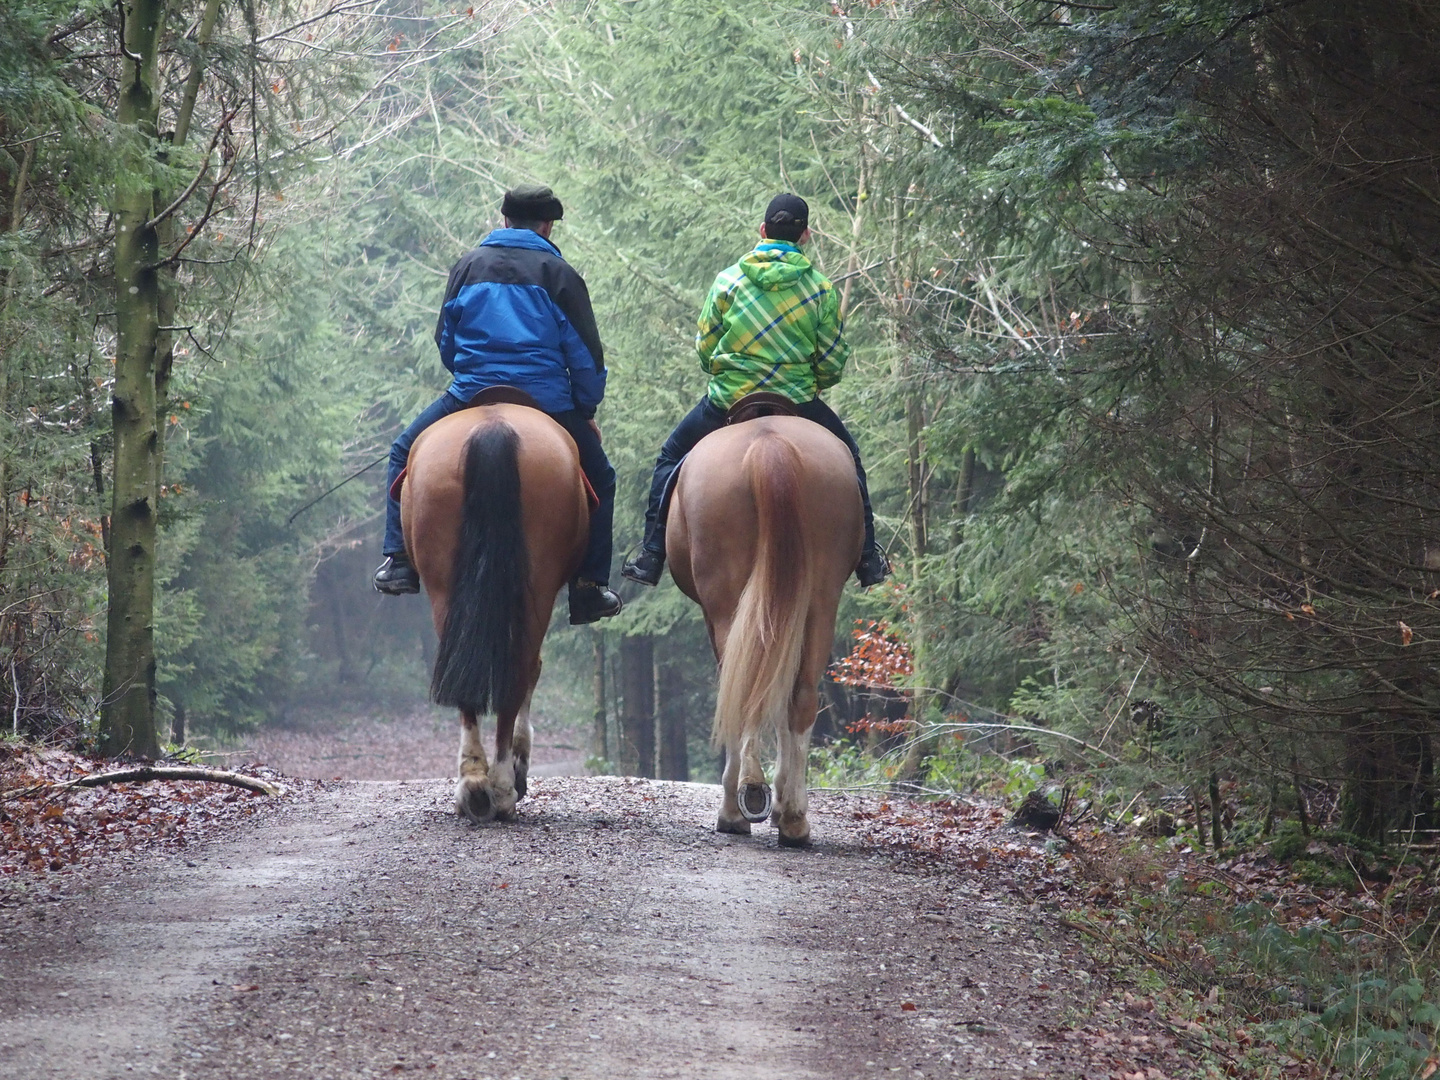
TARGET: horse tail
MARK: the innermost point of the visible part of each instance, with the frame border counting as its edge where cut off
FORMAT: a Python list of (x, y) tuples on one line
[(763, 649), (477, 668)]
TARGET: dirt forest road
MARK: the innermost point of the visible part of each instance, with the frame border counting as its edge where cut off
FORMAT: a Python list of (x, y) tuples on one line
[(360, 930)]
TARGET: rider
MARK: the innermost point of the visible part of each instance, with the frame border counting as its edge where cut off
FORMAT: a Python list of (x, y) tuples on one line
[(517, 314), (771, 322)]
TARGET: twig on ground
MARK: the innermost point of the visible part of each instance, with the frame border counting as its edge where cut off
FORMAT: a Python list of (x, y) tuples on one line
[(171, 772)]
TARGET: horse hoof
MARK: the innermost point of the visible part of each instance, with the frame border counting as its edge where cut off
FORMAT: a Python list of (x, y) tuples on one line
[(735, 828), (522, 773), (801, 841), (473, 801), (755, 802)]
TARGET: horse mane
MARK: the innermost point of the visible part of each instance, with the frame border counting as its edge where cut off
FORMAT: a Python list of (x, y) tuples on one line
[(479, 662), (767, 636)]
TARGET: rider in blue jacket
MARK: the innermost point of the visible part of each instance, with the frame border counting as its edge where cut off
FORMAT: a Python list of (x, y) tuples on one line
[(517, 314)]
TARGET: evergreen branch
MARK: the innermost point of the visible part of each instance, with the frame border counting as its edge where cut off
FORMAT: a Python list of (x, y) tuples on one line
[(195, 183)]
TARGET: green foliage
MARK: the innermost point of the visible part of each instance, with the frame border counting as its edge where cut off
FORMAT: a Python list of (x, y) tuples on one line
[(1289, 844)]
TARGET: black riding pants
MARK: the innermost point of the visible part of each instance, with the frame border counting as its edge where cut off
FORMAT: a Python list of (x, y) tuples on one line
[(705, 418)]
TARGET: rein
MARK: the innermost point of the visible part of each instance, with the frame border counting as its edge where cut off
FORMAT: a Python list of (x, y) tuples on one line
[(359, 472)]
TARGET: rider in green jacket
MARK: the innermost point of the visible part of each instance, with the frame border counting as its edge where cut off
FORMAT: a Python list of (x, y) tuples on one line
[(771, 322)]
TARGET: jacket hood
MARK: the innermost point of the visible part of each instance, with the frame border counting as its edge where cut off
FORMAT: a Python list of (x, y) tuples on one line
[(519, 238), (773, 266)]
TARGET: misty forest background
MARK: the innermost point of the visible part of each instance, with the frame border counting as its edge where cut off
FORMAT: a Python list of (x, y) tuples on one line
[(1143, 297)]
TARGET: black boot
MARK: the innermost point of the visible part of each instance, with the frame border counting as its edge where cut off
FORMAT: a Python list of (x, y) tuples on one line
[(873, 569), (396, 576), (590, 601), (645, 568)]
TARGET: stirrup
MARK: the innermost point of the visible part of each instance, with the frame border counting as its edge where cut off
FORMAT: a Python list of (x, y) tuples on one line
[(396, 577), (645, 568), (873, 568)]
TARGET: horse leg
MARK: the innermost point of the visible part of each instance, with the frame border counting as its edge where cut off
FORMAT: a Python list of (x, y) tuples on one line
[(520, 747), (754, 793), (472, 795), (503, 788), (731, 820), (792, 797)]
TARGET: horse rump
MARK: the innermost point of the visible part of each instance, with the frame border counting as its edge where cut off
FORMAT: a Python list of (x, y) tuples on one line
[(477, 665), (763, 648)]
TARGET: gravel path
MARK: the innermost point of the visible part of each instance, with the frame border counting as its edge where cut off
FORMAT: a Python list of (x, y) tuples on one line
[(360, 930)]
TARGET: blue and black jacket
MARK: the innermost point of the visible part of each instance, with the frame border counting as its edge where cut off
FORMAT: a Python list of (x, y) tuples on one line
[(517, 314)]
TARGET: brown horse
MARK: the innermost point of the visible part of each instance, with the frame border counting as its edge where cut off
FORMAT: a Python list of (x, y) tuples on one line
[(765, 527), (496, 516)]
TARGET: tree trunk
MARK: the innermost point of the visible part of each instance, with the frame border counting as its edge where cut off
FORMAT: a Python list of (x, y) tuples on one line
[(335, 603), (915, 440), (599, 749), (177, 722), (637, 705), (964, 495), (1217, 824), (169, 291), (127, 711), (670, 724)]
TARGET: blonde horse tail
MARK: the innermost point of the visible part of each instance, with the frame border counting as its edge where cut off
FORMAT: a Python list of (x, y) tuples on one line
[(767, 636)]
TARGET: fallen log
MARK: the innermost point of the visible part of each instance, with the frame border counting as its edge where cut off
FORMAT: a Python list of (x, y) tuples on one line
[(175, 772)]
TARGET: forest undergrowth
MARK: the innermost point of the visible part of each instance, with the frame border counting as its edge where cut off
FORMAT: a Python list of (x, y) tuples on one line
[(1299, 951)]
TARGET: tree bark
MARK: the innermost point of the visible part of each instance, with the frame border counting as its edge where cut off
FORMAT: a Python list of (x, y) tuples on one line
[(637, 705), (964, 495), (127, 711), (1217, 824), (335, 603), (177, 722), (165, 240), (917, 470), (599, 748), (674, 757)]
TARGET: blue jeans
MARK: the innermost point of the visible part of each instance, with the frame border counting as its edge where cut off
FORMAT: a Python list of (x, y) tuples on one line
[(596, 466), (705, 418)]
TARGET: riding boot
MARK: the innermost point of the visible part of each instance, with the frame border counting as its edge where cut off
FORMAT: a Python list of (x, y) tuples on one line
[(646, 567), (873, 568), (396, 576), (590, 601)]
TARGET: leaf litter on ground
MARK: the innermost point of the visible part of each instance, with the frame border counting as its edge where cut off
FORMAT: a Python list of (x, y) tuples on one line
[(48, 829)]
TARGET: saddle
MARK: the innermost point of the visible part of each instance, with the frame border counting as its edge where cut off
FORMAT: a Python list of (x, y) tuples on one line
[(760, 403), (504, 395)]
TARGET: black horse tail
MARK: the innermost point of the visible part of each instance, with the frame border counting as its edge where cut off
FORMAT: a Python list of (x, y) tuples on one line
[(478, 665)]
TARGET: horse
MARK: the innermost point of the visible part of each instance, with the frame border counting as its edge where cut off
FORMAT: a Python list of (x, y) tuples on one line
[(496, 514), (765, 526)]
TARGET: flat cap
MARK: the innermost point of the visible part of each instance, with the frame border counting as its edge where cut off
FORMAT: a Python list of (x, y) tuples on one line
[(532, 202)]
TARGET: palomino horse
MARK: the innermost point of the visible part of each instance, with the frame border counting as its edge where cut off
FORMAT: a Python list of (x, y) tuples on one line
[(765, 527), (496, 516)]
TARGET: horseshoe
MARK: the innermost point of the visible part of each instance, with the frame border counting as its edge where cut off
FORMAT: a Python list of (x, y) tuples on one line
[(754, 816)]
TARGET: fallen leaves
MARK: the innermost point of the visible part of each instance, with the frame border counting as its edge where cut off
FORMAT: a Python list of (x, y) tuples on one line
[(45, 829)]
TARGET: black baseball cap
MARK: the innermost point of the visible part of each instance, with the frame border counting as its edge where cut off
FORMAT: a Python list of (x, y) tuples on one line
[(787, 217)]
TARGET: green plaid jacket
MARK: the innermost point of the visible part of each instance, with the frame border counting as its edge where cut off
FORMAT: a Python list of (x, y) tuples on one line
[(771, 322)]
